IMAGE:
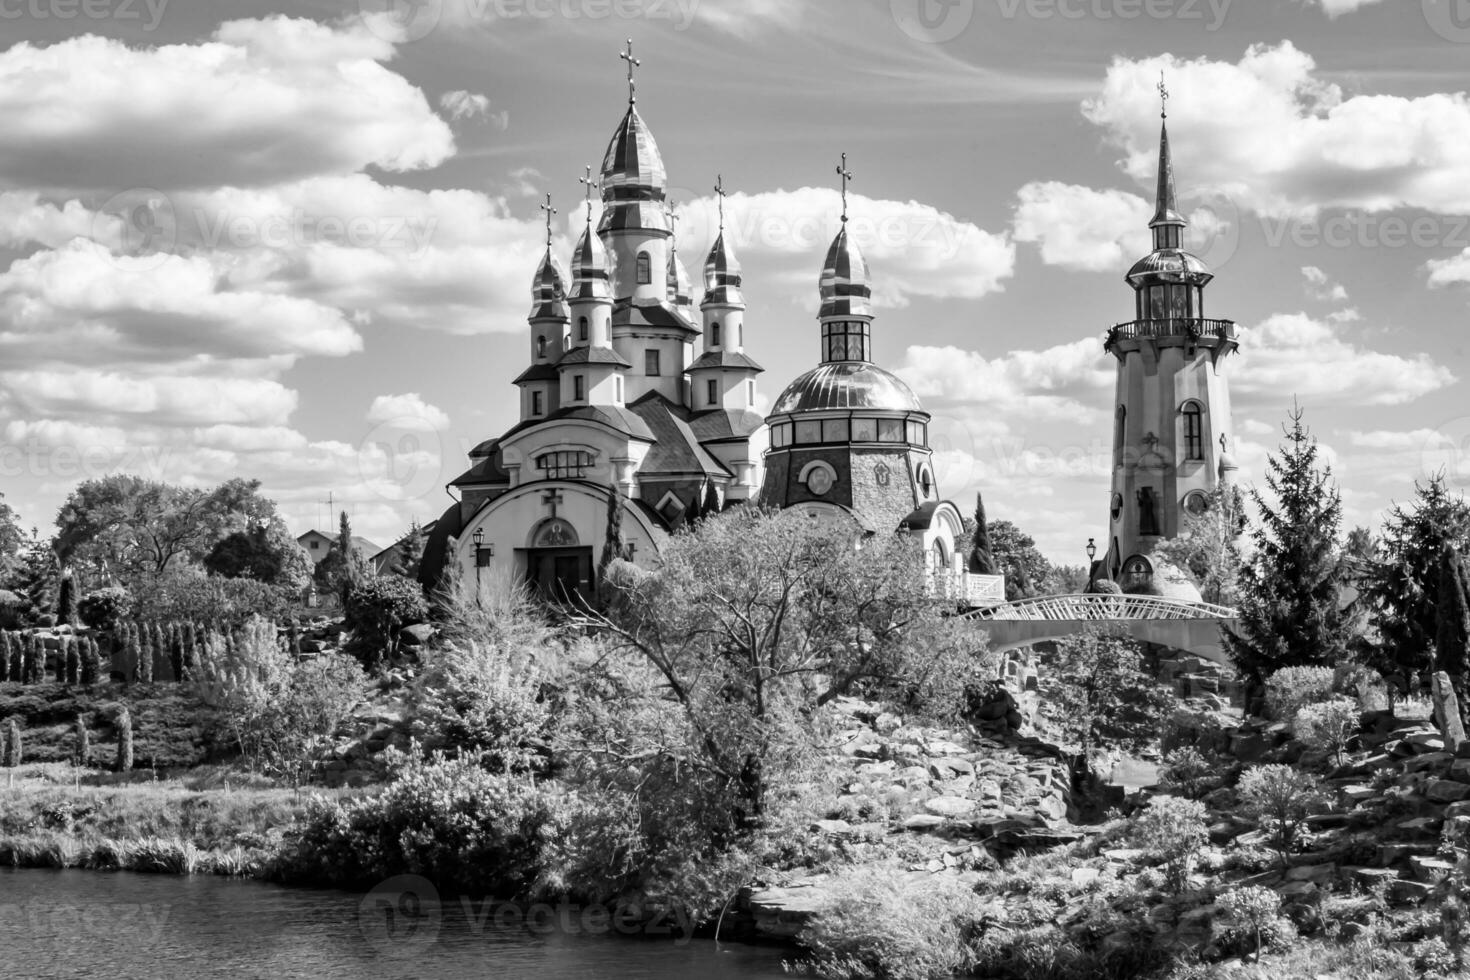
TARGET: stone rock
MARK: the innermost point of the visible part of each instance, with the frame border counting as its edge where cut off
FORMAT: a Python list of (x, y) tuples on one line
[(1312, 872), (1426, 742), (1447, 711), (1447, 791), (944, 747), (887, 722), (949, 806), (923, 821), (1368, 877), (1429, 869), (1084, 877), (417, 635), (1460, 770), (1294, 890), (1407, 892), (832, 828)]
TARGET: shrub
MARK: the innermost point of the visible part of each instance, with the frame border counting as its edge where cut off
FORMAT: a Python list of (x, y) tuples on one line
[(1279, 799), (102, 609), (91, 665), (1257, 910), (12, 745), (447, 820), (1174, 830), (879, 923), (377, 609), (1186, 772), (1327, 726), (1292, 688), (124, 725), (83, 747)]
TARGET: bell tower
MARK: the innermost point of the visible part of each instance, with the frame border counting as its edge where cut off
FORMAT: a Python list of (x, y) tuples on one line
[(1172, 433)]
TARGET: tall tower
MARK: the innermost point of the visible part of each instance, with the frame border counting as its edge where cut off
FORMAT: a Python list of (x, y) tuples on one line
[(540, 383), (1172, 433)]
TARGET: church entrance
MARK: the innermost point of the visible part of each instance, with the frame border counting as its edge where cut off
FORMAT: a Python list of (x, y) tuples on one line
[(558, 568)]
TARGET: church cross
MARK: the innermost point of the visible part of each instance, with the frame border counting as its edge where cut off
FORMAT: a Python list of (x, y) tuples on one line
[(720, 196), (1163, 96), (551, 498), (591, 185), (550, 213), (632, 64), (846, 175)]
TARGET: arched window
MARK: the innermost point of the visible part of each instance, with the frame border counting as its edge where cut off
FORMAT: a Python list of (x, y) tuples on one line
[(541, 345), (645, 269), (1194, 431), (582, 329), (714, 334)]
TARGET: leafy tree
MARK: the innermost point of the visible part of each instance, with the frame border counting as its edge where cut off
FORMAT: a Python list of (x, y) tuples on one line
[(1206, 546), (1099, 692), (982, 554), (1328, 726), (264, 553), (1065, 580), (1452, 616), (1253, 907), (12, 541), (128, 527), (377, 609), (1290, 608), (1402, 577), (1279, 799), (1013, 554), (1174, 830), (755, 620), (103, 608)]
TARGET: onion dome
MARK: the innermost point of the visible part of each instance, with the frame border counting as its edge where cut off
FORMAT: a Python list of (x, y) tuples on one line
[(846, 287), (549, 291), (722, 276), (1228, 467), (634, 181), (847, 384), (591, 271)]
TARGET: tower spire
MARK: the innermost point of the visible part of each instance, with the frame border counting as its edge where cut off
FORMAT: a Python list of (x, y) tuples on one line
[(1166, 209), (846, 176), (632, 64)]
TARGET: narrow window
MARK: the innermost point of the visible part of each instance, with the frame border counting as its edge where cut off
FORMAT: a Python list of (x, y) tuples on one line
[(1194, 443), (750, 394), (714, 334), (650, 363), (536, 405), (579, 387), (645, 269), (582, 329), (712, 391), (618, 387), (541, 345)]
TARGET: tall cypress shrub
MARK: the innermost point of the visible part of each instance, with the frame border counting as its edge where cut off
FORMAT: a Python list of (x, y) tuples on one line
[(91, 665), (124, 740), (82, 748), (12, 744)]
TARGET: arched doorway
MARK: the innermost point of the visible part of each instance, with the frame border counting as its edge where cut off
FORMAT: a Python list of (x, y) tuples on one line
[(558, 567)]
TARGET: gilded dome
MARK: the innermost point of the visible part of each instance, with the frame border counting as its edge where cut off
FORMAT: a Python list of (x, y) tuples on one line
[(549, 290), (846, 285), (1171, 265), (591, 270), (722, 277), (632, 162), (847, 384)]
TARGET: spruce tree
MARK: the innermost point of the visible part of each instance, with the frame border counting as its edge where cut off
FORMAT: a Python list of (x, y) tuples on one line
[(12, 745), (176, 651), (145, 655), (124, 740), (351, 571), (9, 666), (1291, 613), (30, 668), (132, 652), (1452, 618), (711, 499), (83, 747), (66, 601)]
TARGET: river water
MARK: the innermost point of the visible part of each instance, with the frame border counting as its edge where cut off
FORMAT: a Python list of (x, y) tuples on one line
[(123, 926)]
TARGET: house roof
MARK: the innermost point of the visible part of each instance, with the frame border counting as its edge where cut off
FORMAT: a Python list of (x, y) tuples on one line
[(621, 419), (724, 359), (592, 355), (677, 449), (721, 425), (538, 372)]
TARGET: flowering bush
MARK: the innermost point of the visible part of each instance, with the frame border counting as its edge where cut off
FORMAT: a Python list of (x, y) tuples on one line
[(1328, 725), (1279, 799)]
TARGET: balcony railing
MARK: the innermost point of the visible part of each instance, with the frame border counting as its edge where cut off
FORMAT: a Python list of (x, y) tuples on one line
[(974, 591), (1194, 327)]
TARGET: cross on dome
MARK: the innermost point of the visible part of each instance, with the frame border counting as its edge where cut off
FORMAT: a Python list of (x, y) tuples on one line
[(846, 176), (550, 213), (720, 195), (590, 185), (632, 64)]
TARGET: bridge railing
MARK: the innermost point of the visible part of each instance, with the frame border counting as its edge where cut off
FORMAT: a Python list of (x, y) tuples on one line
[(1103, 607), (975, 591)]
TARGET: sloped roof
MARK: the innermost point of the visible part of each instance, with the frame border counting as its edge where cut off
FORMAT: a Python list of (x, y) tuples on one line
[(538, 372), (621, 419), (722, 424), (723, 359), (592, 355), (677, 449)]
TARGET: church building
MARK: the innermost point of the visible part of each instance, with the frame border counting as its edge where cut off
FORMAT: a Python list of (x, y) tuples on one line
[(1172, 431)]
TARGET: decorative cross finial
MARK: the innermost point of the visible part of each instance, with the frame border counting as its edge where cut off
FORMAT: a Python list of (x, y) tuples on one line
[(720, 196), (550, 213), (591, 185), (673, 219), (1163, 96), (846, 175), (632, 64)]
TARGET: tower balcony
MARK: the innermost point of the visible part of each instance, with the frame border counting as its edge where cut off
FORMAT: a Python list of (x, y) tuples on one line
[(1184, 331)]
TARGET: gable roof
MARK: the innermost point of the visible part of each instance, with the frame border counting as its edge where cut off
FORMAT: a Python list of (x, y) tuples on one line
[(677, 449)]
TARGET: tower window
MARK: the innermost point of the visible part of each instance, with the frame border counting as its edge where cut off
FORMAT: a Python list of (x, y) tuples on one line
[(579, 387), (651, 363), (712, 391), (582, 329), (537, 407), (740, 334), (1194, 441), (541, 345), (618, 387), (714, 334), (750, 393), (645, 269)]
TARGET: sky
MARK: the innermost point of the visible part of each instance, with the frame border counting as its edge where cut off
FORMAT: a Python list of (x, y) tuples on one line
[(294, 241)]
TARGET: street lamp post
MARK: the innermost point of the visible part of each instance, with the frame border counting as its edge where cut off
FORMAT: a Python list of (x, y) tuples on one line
[(479, 539), (1091, 551)]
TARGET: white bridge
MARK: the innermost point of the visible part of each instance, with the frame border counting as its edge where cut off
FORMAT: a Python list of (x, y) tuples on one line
[(1180, 624)]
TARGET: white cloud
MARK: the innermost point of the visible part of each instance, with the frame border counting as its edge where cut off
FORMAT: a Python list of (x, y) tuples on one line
[(1321, 286), (262, 101), (1336, 8), (1082, 228), (407, 410), (1272, 136), (461, 104), (1293, 354)]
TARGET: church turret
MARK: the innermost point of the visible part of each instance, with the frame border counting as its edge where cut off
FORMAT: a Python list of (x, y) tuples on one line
[(723, 377), (550, 315), (680, 290), (634, 186), (591, 371), (1172, 427)]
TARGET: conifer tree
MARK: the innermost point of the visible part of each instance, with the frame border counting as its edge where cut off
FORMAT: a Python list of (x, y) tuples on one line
[(176, 651), (411, 552), (145, 655), (31, 672), (12, 745), (66, 601), (982, 558), (9, 663), (124, 740), (1452, 619), (83, 747), (133, 652), (73, 659), (18, 657), (91, 666), (711, 499), (1290, 609), (614, 546), (351, 572)]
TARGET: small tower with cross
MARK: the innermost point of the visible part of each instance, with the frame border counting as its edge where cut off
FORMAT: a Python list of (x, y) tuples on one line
[(723, 378), (1172, 424), (549, 320)]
